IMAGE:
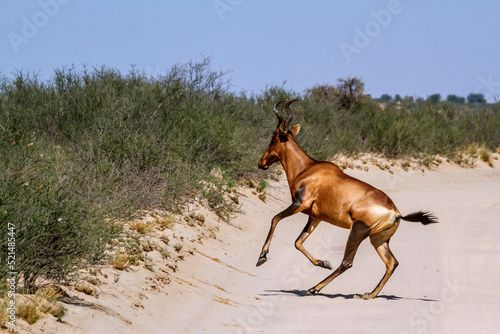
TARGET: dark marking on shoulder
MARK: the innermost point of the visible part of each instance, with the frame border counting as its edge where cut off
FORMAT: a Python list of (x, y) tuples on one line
[(298, 197)]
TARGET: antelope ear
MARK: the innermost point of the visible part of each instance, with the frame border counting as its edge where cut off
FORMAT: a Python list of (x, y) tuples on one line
[(295, 129)]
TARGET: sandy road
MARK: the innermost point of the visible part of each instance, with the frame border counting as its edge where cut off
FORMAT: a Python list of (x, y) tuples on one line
[(448, 280)]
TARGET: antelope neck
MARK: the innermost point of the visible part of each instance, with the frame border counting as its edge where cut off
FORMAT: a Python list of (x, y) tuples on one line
[(294, 160)]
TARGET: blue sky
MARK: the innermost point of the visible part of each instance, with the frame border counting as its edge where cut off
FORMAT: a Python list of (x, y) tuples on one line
[(398, 47)]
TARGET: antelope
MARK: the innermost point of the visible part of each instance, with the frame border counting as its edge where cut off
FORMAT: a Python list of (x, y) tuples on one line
[(324, 192)]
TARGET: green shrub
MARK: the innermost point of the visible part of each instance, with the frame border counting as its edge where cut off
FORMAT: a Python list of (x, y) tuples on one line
[(59, 219)]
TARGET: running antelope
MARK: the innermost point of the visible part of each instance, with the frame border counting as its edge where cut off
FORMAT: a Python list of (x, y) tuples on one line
[(322, 191)]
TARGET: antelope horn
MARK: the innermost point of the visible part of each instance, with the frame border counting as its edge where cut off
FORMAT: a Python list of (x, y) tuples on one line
[(289, 111), (280, 118)]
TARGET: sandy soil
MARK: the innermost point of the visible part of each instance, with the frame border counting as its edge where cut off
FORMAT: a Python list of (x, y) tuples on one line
[(447, 281)]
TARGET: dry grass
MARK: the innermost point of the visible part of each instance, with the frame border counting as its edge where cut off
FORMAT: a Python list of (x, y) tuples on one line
[(35, 307), (87, 289), (163, 220), (165, 253), (3, 312), (475, 151), (141, 227), (120, 261), (485, 155)]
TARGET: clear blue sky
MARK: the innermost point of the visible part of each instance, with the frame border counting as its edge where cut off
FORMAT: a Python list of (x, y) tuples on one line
[(405, 47)]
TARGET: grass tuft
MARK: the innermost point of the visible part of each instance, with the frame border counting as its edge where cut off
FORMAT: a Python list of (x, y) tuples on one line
[(141, 227), (486, 156), (120, 261), (34, 307)]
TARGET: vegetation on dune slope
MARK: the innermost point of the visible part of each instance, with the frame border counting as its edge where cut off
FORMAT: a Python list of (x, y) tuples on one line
[(89, 146)]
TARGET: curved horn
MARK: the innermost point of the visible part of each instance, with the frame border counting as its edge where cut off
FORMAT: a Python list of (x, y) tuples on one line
[(289, 111), (280, 118)]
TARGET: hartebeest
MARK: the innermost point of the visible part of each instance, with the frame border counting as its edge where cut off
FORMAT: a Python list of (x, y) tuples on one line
[(324, 192)]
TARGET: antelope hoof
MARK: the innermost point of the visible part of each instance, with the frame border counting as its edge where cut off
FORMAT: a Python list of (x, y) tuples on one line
[(366, 296), (325, 264), (262, 259), (312, 291)]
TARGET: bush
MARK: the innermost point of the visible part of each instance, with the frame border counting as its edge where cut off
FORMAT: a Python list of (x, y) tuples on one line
[(85, 148), (58, 218), (346, 94), (434, 98), (404, 128), (474, 98), (455, 99)]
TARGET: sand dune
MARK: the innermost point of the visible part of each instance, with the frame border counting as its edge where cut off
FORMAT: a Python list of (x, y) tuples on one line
[(447, 281)]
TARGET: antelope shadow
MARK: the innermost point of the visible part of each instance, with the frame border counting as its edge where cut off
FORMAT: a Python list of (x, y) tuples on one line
[(305, 293)]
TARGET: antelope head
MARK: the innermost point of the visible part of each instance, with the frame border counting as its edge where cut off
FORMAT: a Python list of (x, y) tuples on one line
[(280, 136)]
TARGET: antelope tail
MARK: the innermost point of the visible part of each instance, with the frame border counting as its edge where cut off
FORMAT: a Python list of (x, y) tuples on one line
[(423, 217)]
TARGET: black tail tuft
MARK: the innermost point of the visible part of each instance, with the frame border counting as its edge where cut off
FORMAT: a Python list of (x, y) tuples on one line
[(423, 217)]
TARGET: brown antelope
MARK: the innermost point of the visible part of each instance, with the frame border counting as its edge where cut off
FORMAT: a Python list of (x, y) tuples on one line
[(322, 191)]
